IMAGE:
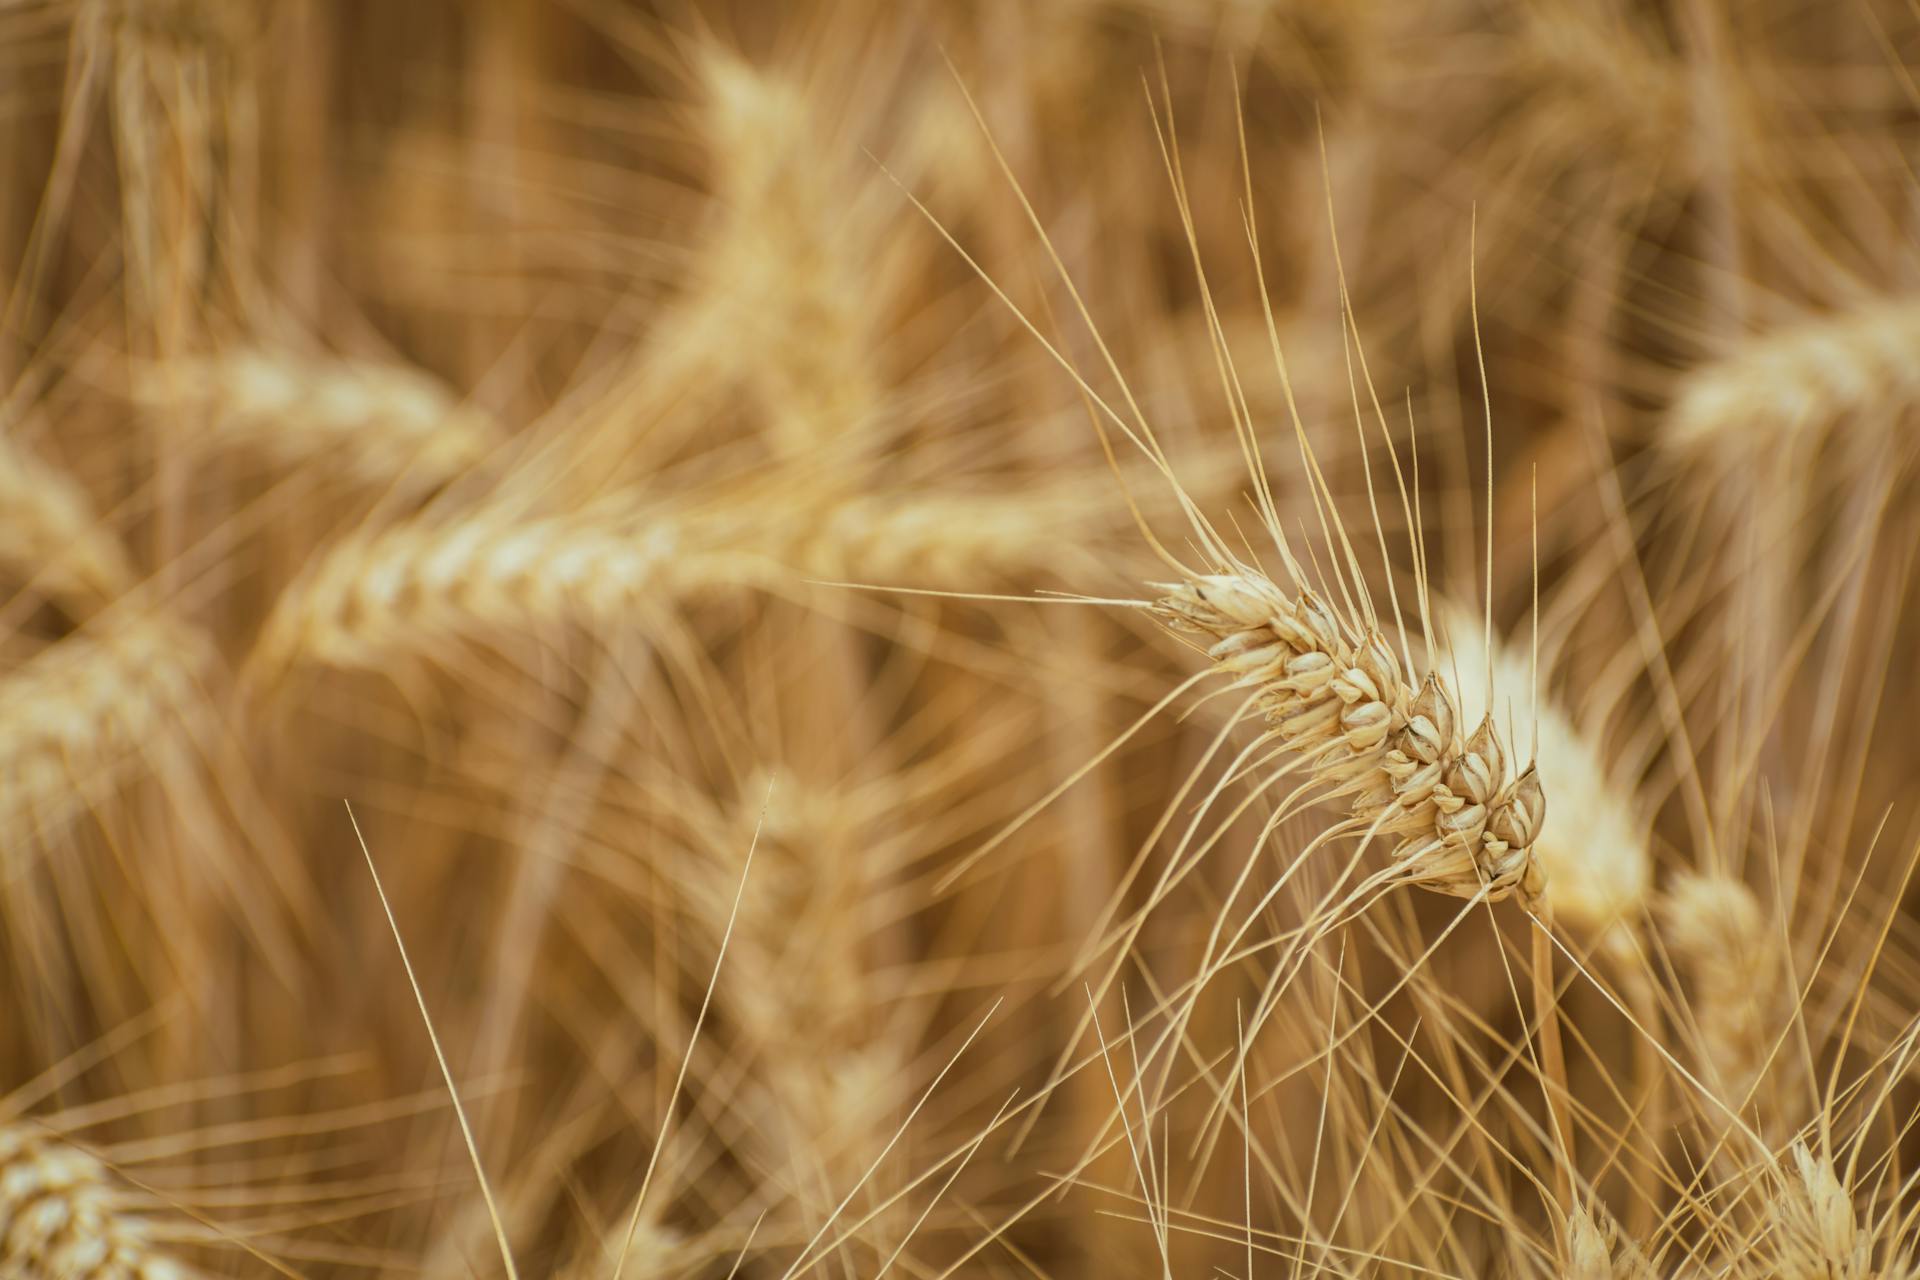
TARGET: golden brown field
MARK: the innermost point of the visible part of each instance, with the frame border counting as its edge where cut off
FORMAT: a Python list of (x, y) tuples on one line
[(1068, 638)]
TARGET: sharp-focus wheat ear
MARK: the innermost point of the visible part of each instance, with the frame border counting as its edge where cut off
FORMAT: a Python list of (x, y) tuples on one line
[(76, 720), (1810, 1232), (1369, 734), (381, 424), (1737, 979), (1595, 1250), (50, 539), (1784, 388), (1598, 867), (62, 1217)]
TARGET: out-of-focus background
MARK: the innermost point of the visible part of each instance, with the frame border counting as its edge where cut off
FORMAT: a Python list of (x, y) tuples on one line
[(595, 440)]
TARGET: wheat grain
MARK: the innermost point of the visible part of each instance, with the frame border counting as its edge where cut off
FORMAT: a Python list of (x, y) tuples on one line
[(50, 538), (61, 1218), (1339, 700), (379, 423)]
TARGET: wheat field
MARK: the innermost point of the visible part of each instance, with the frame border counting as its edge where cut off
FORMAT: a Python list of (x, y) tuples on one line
[(1010, 638)]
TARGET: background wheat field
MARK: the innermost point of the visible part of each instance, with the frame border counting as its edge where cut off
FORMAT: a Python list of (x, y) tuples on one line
[(1087, 638)]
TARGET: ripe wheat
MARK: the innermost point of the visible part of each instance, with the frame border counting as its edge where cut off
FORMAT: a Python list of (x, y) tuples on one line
[(76, 720), (379, 423), (61, 1217), (1339, 700), (50, 538)]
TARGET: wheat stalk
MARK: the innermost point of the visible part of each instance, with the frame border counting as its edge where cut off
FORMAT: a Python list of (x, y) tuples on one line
[(379, 423), (61, 1217)]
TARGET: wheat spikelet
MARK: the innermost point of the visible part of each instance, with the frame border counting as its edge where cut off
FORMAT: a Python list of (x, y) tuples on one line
[(1738, 987), (61, 1218), (1595, 1250), (50, 538), (77, 717), (1791, 384), (1810, 1232), (1341, 703), (1595, 856), (380, 423)]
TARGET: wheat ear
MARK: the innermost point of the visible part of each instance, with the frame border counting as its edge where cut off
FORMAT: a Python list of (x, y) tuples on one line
[(1598, 866), (1341, 703), (1799, 379), (389, 595), (1595, 1250), (50, 538), (379, 423), (1810, 1231), (1738, 988), (78, 716), (62, 1218)]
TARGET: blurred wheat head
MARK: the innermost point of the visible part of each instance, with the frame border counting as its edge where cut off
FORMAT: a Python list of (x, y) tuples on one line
[(899, 617)]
